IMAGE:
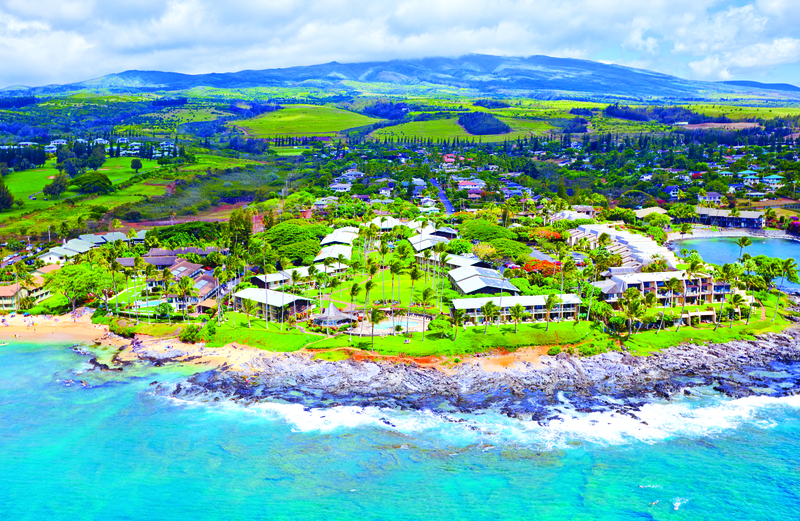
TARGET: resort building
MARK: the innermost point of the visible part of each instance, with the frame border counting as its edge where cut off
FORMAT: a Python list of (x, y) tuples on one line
[(423, 242), (533, 304), (701, 289), (470, 280), (636, 250), (723, 218), (273, 302), (332, 317)]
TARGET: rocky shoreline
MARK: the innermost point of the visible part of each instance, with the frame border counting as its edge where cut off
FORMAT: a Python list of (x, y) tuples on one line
[(616, 381)]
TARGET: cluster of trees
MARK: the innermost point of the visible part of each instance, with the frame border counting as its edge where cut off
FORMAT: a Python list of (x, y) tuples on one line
[(386, 110), (491, 104), (16, 102), (22, 158), (666, 115), (482, 124)]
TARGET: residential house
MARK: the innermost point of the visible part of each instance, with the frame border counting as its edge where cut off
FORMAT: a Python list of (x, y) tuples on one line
[(470, 280), (710, 197), (723, 218)]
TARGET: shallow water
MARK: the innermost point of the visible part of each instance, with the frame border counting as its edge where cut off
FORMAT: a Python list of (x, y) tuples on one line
[(116, 449), (725, 250)]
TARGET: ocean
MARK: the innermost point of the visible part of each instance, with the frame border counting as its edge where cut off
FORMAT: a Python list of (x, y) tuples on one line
[(115, 449), (725, 250)]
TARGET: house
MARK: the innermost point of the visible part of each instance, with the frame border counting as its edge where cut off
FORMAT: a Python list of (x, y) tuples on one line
[(568, 215), (447, 233), (159, 262), (451, 261), (751, 180), (470, 280), (468, 185), (341, 188), (69, 249), (773, 182), (635, 250), (672, 191), (591, 211), (710, 197), (534, 305)]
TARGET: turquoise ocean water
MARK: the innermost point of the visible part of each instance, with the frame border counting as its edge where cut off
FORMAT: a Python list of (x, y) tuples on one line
[(724, 250), (116, 450)]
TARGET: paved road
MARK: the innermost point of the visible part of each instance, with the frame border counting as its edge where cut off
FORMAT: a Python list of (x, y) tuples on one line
[(448, 206)]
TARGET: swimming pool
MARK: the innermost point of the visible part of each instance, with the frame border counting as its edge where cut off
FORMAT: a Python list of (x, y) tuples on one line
[(400, 321)]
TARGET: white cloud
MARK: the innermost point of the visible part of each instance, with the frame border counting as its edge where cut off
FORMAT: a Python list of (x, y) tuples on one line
[(70, 40)]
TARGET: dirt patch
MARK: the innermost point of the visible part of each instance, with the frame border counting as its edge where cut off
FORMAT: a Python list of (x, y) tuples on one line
[(51, 177), (726, 126)]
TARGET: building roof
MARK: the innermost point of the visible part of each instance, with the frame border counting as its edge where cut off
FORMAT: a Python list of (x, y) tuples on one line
[(719, 212), (334, 251), (9, 290), (339, 236), (644, 212), (269, 297), (423, 242), (78, 245), (44, 270)]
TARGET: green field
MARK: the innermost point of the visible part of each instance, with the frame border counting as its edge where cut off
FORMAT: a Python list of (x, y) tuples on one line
[(737, 113), (303, 120), (449, 129)]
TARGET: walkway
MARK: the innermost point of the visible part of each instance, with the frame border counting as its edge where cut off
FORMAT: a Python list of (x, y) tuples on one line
[(448, 206)]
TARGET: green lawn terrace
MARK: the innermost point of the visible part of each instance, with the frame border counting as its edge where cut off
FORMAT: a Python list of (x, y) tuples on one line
[(303, 120)]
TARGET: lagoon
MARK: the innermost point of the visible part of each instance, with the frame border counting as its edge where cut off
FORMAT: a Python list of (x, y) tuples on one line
[(725, 250)]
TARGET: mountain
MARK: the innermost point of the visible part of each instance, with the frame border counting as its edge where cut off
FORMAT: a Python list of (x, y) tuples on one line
[(762, 86), (535, 76)]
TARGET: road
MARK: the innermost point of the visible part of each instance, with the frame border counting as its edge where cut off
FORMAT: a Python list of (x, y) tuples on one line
[(448, 206)]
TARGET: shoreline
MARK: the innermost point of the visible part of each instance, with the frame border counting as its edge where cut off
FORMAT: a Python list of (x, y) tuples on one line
[(730, 233)]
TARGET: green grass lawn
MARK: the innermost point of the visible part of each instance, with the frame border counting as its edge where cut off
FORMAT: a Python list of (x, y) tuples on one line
[(290, 339), (304, 120), (402, 289), (472, 340)]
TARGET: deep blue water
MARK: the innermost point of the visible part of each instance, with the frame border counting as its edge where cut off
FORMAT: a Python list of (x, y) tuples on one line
[(725, 250), (116, 450)]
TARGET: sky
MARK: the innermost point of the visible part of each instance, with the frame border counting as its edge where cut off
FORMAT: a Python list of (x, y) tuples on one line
[(64, 41)]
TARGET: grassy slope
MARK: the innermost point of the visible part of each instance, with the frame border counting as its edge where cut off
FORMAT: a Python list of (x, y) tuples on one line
[(304, 120), (449, 129)]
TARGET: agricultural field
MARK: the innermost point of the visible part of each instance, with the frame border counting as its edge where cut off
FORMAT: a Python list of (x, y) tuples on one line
[(737, 112), (303, 120), (449, 129)]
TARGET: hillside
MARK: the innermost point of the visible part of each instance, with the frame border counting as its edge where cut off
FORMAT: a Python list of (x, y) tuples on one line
[(535, 76)]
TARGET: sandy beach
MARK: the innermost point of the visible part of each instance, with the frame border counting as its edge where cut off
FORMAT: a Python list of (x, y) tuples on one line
[(78, 328)]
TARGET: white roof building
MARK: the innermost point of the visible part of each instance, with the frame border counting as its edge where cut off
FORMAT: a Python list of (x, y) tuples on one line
[(340, 236), (333, 252)]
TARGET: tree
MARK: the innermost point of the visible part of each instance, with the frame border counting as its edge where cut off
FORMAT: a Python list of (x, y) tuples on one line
[(57, 186), (694, 269), (457, 317), (250, 307), (354, 291), (368, 286), (375, 316), (743, 243), (633, 310), (788, 270), (414, 275), (425, 300), (136, 165), (517, 313), (551, 302), (6, 199), (736, 301), (395, 269), (74, 281), (490, 311), (93, 182)]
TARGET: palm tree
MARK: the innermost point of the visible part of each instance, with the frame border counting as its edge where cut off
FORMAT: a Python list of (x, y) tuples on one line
[(414, 275), (295, 278), (250, 307), (167, 278), (149, 273), (489, 311), (457, 317), (369, 284), (633, 310), (383, 250), (686, 228), (354, 291), (788, 267), (743, 243), (551, 302), (187, 289), (722, 276), (736, 301), (694, 269), (375, 316), (517, 313), (425, 300), (395, 269)]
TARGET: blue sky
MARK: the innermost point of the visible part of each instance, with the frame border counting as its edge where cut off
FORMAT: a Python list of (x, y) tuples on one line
[(62, 41)]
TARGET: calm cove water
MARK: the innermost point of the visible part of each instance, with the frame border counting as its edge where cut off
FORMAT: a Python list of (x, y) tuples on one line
[(725, 250), (115, 450)]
